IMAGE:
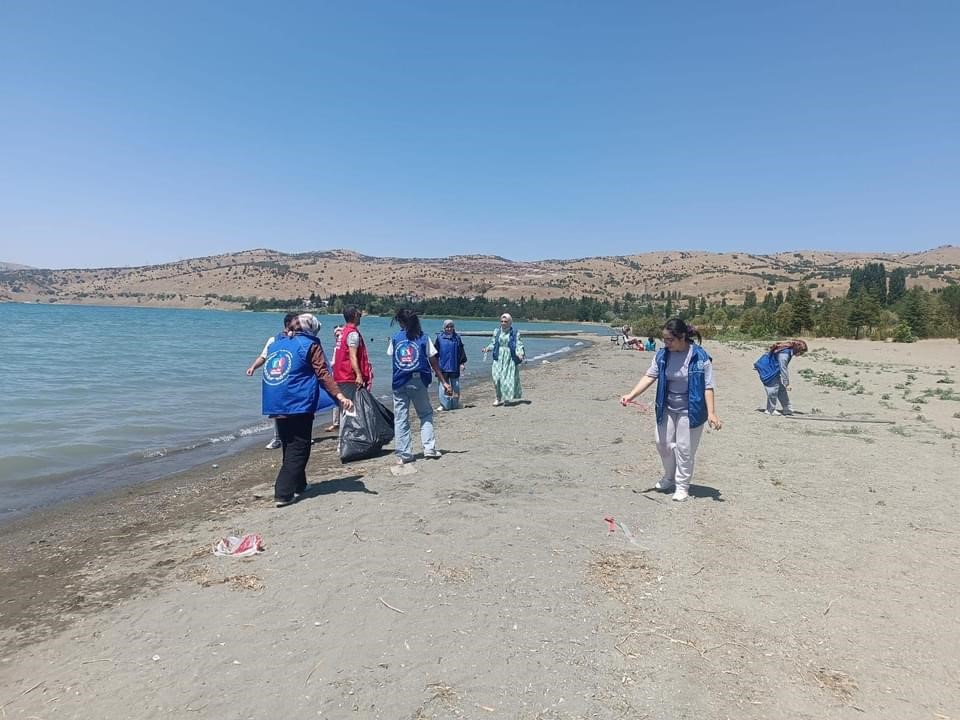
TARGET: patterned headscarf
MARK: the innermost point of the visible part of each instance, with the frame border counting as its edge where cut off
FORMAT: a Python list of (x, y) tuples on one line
[(509, 318), (308, 324), (799, 347)]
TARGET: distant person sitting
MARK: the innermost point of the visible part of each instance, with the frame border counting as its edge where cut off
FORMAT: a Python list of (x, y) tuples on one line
[(288, 320), (650, 345)]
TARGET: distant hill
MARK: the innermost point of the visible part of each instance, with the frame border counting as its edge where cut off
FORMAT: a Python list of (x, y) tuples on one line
[(227, 281), (13, 266)]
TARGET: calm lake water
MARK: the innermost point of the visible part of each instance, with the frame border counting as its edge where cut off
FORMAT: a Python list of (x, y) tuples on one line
[(160, 389)]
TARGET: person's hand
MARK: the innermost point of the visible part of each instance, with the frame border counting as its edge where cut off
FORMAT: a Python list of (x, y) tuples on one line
[(345, 402), (358, 380), (625, 400), (249, 371), (485, 350), (448, 388), (787, 388), (714, 421)]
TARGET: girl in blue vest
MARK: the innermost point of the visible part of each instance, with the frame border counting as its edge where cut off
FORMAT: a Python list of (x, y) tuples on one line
[(294, 377), (772, 368), (414, 356), (452, 357), (685, 401), (507, 352)]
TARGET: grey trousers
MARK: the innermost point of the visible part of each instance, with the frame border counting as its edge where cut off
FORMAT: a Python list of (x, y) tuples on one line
[(677, 445), (777, 392)]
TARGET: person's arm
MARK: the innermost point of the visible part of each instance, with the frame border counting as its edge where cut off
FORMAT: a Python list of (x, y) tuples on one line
[(355, 363), (784, 359), (712, 418), (258, 363), (319, 363), (645, 382), (520, 353), (461, 356), (435, 364)]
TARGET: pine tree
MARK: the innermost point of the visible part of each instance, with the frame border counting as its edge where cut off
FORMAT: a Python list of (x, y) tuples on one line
[(668, 309), (703, 306), (778, 300), (897, 286), (749, 300), (802, 308)]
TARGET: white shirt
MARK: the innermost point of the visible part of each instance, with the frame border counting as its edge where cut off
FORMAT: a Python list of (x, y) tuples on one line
[(263, 353)]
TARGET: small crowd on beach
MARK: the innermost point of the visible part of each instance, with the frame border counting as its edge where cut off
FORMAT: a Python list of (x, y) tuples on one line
[(298, 381)]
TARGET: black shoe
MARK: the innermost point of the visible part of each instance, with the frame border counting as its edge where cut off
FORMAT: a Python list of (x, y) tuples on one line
[(284, 501)]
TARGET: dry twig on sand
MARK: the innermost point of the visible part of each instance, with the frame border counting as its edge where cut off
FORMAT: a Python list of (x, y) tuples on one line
[(16, 697), (396, 610)]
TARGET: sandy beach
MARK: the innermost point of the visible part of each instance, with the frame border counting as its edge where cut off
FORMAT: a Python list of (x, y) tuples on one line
[(815, 572)]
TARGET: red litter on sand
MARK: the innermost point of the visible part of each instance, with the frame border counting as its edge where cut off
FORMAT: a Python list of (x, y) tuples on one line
[(249, 544), (612, 526)]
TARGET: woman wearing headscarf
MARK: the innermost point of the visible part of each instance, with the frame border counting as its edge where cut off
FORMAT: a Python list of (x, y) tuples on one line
[(683, 372), (452, 357), (507, 350), (772, 368), (414, 356), (295, 375)]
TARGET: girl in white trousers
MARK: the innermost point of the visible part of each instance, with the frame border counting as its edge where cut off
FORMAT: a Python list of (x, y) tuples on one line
[(685, 393)]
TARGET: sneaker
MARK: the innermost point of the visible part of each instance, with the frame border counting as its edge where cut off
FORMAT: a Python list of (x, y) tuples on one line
[(403, 461), (432, 453), (773, 412), (283, 502), (681, 494), (497, 403), (664, 485), (273, 444), (440, 408)]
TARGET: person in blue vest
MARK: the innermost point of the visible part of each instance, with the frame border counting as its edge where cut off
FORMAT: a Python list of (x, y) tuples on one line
[(297, 383), (772, 368), (508, 354), (452, 357), (683, 372), (414, 356), (261, 359), (650, 345)]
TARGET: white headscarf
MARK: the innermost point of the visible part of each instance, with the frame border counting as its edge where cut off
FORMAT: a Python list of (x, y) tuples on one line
[(309, 324), (509, 318)]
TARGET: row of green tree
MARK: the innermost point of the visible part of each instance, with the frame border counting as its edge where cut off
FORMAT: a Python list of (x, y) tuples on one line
[(584, 309), (877, 305), (905, 316)]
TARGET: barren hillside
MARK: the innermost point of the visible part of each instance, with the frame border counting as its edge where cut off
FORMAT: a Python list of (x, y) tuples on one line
[(227, 281)]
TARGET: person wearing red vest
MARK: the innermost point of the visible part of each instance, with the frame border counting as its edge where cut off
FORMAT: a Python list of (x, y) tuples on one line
[(351, 366)]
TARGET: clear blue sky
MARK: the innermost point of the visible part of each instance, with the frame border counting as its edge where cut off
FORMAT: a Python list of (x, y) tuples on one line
[(141, 132)]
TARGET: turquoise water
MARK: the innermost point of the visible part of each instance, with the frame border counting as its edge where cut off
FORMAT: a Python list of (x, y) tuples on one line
[(88, 389)]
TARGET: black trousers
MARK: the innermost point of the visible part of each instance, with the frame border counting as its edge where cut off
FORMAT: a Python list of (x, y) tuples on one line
[(296, 437)]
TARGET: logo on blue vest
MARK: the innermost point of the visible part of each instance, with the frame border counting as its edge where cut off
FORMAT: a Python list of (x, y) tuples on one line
[(277, 367), (406, 355)]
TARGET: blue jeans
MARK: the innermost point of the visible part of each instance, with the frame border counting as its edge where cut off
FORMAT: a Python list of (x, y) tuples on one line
[(448, 402), (413, 392)]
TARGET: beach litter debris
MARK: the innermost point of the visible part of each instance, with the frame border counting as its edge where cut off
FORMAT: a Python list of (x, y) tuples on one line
[(641, 406), (612, 526), (249, 544)]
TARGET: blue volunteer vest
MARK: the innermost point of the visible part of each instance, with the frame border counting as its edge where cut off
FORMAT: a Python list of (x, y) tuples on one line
[(409, 357), (448, 349), (289, 384), (511, 343), (696, 386), (768, 366)]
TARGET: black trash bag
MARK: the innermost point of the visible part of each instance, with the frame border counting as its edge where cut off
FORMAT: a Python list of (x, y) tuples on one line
[(365, 431)]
